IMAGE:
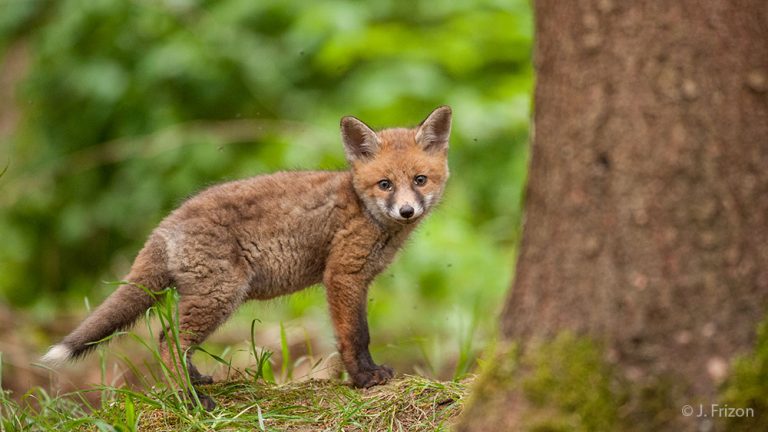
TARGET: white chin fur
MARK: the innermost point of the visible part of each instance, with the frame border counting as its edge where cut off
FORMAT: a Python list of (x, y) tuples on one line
[(399, 218), (57, 355)]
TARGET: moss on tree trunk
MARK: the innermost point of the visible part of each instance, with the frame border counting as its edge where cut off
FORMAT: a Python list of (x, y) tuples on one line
[(565, 384)]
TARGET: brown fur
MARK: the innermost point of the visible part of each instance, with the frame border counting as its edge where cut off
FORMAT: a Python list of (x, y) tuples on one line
[(272, 235)]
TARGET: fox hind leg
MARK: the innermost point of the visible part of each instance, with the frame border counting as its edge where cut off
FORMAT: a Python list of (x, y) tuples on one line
[(199, 314), (198, 317), (169, 358)]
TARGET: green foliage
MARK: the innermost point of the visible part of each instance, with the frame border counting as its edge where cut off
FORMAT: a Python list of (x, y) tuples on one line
[(287, 367), (262, 358), (128, 107)]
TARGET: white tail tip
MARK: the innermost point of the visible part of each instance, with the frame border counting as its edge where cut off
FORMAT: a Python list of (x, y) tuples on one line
[(57, 355)]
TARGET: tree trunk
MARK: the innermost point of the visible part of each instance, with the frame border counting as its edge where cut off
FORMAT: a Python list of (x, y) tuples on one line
[(646, 218)]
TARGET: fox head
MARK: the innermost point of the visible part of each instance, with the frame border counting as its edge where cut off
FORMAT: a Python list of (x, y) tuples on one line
[(399, 174)]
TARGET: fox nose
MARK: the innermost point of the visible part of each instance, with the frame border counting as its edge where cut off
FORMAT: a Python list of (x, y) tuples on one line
[(406, 211)]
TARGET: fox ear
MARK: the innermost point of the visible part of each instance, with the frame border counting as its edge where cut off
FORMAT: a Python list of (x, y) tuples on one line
[(360, 141), (434, 131)]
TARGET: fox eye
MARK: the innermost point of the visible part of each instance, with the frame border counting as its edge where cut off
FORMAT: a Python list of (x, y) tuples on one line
[(385, 185), (420, 180)]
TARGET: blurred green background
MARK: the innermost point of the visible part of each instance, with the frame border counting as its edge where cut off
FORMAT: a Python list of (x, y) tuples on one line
[(114, 111)]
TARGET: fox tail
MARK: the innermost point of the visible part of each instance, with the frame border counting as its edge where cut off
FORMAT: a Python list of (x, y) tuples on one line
[(121, 309)]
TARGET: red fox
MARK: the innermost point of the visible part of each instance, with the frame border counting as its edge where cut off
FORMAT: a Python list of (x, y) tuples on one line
[(272, 235)]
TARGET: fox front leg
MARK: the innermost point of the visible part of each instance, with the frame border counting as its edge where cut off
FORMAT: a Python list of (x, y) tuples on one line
[(347, 300)]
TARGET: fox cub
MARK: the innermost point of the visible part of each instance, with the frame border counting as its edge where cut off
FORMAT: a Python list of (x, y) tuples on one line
[(272, 235)]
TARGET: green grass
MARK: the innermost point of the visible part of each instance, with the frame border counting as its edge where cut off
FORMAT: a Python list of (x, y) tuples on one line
[(251, 401), (409, 403)]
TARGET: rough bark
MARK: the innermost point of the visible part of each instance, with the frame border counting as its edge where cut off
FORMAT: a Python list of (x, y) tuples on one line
[(646, 215)]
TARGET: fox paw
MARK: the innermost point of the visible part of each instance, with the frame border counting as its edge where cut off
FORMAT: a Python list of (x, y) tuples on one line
[(201, 379), (377, 376), (206, 401)]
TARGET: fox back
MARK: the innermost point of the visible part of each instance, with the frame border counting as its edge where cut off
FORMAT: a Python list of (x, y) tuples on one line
[(271, 235)]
